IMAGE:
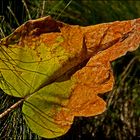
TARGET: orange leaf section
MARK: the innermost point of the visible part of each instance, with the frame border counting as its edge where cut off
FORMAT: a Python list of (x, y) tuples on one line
[(104, 43)]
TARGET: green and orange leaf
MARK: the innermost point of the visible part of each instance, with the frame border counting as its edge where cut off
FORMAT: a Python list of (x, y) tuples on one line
[(59, 69)]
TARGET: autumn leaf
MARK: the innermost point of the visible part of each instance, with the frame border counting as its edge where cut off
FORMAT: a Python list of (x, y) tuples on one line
[(58, 70)]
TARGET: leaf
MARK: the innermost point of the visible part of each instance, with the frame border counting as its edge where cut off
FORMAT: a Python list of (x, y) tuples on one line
[(59, 69)]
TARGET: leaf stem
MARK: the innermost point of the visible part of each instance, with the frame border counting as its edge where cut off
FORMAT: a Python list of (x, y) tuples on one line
[(11, 108)]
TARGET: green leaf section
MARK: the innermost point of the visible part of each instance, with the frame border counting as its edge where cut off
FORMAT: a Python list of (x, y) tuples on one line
[(36, 73), (30, 67), (41, 108)]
